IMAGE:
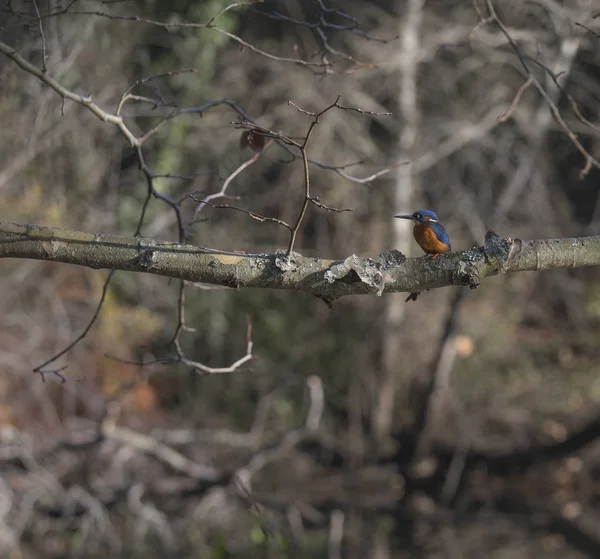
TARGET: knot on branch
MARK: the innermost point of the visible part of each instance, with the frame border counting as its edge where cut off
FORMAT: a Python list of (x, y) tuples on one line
[(287, 262), (467, 274), (498, 251), (355, 269), (147, 256)]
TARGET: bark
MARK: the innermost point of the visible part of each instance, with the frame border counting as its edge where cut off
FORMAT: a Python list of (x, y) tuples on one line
[(390, 272)]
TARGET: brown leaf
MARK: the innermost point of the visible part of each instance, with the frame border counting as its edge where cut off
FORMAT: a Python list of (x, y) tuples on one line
[(252, 139)]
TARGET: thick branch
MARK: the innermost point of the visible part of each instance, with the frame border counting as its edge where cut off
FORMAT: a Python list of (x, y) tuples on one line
[(327, 279)]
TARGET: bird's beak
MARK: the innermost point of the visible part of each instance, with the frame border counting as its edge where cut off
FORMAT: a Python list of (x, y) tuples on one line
[(406, 217)]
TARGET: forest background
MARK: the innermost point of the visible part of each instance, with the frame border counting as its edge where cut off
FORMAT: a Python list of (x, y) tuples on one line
[(259, 423)]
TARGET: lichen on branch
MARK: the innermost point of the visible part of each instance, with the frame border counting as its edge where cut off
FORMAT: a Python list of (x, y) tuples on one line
[(327, 279)]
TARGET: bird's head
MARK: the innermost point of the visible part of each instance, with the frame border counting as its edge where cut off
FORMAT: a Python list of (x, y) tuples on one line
[(421, 216)]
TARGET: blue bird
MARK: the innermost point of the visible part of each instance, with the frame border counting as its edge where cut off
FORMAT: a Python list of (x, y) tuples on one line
[(429, 232)]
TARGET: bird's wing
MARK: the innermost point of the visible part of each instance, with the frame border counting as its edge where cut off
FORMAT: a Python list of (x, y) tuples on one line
[(441, 233)]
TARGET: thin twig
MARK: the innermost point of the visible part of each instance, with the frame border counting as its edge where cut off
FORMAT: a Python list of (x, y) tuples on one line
[(253, 215), (143, 81), (231, 7), (44, 55), (303, 151), (513, 106), (589, 160), (195, 365), (319, 204), (81, 336), (221, 193), (66, 94), (596, 34), (169, 26)]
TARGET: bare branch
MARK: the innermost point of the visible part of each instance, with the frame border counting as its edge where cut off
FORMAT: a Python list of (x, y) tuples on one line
[(43, 37), (253, 215), (162, 452), (66, 94), (170, 26), (327, 279), (195, 365), (126, 95), (39, 368), (231, 7), (319, 204), (589, 159), (221, 193), (265, 456), (336, 534), (595, 33), (303, 151), (513, 106)]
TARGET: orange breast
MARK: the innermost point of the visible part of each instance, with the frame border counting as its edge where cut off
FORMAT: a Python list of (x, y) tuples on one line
[(427, 239)]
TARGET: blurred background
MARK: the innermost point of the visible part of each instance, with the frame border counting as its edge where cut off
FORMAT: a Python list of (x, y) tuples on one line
[(463, 425)]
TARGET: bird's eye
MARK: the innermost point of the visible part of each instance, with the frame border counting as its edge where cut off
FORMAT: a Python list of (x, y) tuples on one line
[(418, 216)]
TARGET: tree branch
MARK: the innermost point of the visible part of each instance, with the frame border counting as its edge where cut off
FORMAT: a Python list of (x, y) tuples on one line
[(589, 159), (327, 279)]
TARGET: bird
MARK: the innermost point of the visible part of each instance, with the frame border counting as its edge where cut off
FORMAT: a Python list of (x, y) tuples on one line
[(429, 233)]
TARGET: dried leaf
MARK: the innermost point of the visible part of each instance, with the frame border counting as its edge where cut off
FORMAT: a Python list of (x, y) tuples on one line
[(252, 139)]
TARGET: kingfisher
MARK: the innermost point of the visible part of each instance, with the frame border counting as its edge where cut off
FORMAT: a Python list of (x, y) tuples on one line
[(429, 232)]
